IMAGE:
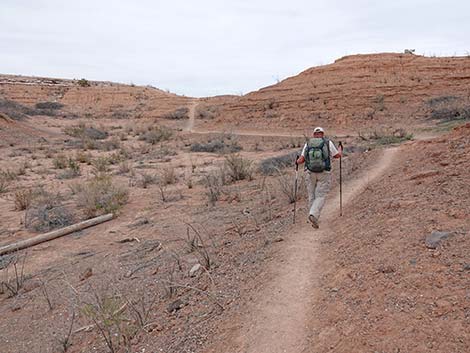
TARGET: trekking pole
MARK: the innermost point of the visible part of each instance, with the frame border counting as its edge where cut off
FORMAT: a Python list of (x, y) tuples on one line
[(341, 180), (295, 184)]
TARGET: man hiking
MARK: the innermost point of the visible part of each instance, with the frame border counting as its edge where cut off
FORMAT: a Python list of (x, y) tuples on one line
[(316, 155)]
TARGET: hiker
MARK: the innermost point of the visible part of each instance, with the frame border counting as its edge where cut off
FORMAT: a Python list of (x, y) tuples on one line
[(316, 155)]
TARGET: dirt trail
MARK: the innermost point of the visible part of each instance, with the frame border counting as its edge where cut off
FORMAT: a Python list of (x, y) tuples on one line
[(256, 133), (276, 320)]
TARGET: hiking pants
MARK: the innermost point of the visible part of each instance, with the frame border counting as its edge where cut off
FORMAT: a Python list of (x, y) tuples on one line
[(318, 185)]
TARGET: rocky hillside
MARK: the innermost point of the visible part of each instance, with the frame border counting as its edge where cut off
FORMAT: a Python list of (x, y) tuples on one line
[(397, 273), (357, 92), (82, 98)]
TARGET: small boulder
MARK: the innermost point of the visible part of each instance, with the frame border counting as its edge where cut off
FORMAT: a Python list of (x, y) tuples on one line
[(434, 239), (194, 270), (175, 306)]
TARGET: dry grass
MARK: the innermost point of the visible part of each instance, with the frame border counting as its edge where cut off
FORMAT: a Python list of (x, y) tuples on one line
[(47, 212), (239, 168), (168, 176), (23, 199), (100, 196), (178, 114), (155, 134)]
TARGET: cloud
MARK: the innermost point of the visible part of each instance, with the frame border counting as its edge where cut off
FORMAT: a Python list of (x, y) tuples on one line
[(216, 47)]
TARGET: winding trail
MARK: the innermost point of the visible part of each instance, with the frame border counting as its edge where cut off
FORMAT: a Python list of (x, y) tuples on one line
[(276, 320), (190, 127)]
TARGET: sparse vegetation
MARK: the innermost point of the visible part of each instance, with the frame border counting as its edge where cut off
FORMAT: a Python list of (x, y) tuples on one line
[(384, 137), (178, 114), (86, 132), (47, 212), (100, 195), (100, 165), (49, 105), (147, 179), (13, 284), (379, 102), (239, 168), (83, 83), (447, 114), (271, 165), (220, 145), (23, 199), (17, 111), (60, 161), (107, 312), (156, 134), (206, 112), (72, 170), (3, 184), (214, 184), (168, 176)]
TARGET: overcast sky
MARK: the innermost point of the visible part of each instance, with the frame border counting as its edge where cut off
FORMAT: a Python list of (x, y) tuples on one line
[(209, 47)]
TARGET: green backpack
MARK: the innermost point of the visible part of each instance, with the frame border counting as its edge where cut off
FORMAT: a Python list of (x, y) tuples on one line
[(317, 155)]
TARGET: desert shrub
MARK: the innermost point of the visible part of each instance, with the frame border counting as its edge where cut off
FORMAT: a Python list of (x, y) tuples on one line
[(217, 146), (441, 100), (272, 165), (86, 132), (287, 186), (72, 170), (124, 167), (100, 195), (239, 168), (8, 175), (47, 213), (49, 105), (147, 179), (156, 134), (60, 161), (83, 83), (112, 144), (3, 185), (206, 112), (386, 137), (100, 165), (178, 114), (23, 199), (16, 111), (447, 114), (168, 176), (379, 101), (121, 114), (106, 312), (82, 157), (214, 184)]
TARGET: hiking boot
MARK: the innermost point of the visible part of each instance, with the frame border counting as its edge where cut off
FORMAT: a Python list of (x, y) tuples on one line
[(313, 220)]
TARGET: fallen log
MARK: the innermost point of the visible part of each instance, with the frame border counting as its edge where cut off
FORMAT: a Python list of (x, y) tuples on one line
[(55, 234)]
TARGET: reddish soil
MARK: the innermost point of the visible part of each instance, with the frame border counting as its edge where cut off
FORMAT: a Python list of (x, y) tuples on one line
[(356, 93), (365, 282)]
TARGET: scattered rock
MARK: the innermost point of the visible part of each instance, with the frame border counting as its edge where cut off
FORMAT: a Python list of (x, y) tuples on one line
[(128, 240), (425, 174), (466, 267), (435, 238), (194, 270), (87, 274), (139, 222), (175, 306)]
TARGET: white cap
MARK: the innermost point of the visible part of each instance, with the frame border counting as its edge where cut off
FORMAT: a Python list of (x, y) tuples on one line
[(318, 129)]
